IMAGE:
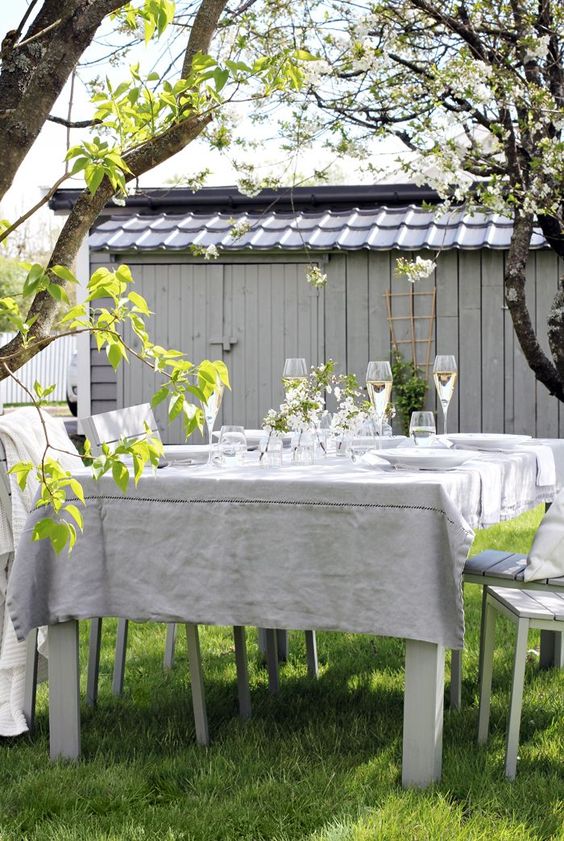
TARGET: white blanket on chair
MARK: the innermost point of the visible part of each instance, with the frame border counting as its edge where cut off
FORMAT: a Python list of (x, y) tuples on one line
[(23, 438)]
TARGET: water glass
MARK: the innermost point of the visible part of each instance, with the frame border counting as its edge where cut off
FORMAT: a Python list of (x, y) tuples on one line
[(422, 429), (303, 447), (232, 445), (271, 450)]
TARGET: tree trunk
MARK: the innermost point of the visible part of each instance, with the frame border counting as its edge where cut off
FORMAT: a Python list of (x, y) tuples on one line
[(33, 75), (515, 267)]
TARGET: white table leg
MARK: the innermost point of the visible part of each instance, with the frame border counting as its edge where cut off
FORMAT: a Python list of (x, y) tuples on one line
[(169, 645), (311, 653), (455, 679), (516, 701), (30, 687), (272, 660), (423, 713), (241, 663), (119, 659), (551, 650), (64, 698), (94, 641), (197, 684)]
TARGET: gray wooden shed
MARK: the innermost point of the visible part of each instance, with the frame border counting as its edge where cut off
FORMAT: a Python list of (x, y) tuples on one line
[(253, 308)]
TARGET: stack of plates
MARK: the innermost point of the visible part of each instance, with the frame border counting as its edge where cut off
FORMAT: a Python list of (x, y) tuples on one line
[(425, 458), (486, 441)]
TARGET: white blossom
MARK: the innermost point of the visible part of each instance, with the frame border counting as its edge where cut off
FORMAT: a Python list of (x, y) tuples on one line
[(211, 253)]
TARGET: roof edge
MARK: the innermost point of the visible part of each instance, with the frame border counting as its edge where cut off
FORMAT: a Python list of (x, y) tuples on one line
[(325, 197)]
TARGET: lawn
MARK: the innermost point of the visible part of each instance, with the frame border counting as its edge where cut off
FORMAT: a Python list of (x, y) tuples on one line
[(321, 761)]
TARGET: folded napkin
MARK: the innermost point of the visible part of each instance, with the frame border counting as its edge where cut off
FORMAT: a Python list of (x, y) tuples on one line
[(546, 558), (546, 468)]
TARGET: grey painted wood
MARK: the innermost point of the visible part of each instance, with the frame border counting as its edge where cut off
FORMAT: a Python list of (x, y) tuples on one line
[(119, 658), (64, 699), (469, 347), (197, 685), (241, 663), (447, 324), (422, 713), (551, 650), (493, 388), (30, 685), (276, 314), (94, 643), (170, 642)]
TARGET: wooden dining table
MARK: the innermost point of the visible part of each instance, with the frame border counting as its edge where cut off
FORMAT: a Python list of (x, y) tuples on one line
[(360, 548)]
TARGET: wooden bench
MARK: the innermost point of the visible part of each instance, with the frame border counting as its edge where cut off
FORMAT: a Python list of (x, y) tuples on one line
[(528, 609), (496, 568)]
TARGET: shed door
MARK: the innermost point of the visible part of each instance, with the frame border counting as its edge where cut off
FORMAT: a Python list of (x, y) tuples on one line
[(250, 315)]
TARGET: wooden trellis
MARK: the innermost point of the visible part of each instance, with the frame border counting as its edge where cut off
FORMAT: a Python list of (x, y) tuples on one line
[(410, 327)]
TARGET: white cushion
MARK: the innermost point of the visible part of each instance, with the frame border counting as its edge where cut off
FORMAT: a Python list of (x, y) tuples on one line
[(546, 558)]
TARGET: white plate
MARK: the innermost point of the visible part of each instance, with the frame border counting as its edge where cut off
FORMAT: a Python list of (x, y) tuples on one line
[(391, 441), (254, 436), (425, 458), (486, 441)]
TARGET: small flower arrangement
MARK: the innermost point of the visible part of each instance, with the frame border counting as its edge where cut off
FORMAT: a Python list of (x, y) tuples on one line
[(415, 270)]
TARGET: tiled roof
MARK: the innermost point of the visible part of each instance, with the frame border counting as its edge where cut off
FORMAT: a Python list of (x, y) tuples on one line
[(378, 229)]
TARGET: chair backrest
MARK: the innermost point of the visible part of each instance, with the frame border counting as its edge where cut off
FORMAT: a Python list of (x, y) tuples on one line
[(110, 427), (5, 492)]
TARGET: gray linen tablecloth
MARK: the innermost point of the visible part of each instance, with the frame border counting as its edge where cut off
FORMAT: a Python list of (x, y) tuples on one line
[(332, 546)]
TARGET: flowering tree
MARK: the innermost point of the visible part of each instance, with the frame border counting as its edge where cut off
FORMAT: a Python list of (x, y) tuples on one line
[(473, 90), (134, 126)]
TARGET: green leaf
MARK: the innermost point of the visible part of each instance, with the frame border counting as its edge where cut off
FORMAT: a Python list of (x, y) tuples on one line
[(64, 274), (159, 396), (75, 514), (120, 475), (220, 78), (139, 302), (77, 488)]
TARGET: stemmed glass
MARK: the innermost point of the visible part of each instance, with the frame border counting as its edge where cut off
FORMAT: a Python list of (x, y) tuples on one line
[(294, 369), (211, 410), (445, 373), (379, 382)]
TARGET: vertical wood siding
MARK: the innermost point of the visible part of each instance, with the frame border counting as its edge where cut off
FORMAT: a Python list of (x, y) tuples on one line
[(49, 367), (264, 303)]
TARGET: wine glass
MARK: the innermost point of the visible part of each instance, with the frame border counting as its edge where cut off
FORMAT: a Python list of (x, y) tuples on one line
[(294, 369), (445, 373), (379, 382), (422, 428), (232, 445), (211, 409)]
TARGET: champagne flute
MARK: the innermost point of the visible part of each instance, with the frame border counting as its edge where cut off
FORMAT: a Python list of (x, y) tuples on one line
[(445, 373), (294, 370), (211, 409), (379, 382)]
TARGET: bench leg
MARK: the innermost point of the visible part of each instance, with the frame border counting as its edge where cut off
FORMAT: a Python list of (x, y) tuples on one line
[(423, 713), (456, 679), (197, 684), (482, 637), (311, 653), (516, 701), (119, 660), (241, 663), (551, 650), (282, 637), (272, 659), (30, 687), (487, 640), (94, 641), (64, 699), (169, 646)]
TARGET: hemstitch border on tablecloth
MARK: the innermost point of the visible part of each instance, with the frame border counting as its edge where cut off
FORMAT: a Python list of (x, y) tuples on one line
[(243, 501)]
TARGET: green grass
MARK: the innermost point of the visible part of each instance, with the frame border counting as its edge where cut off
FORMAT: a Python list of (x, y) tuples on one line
[(321, 761)]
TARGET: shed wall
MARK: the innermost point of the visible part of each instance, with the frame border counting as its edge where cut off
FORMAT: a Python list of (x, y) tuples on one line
[(264, 303)]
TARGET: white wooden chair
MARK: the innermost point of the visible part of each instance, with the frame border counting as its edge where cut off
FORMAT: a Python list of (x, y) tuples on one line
[(109, 428), (31, 644), (527, 609), (129, 423)]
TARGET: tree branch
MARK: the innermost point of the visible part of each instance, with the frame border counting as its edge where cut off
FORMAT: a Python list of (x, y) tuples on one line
[(70, 124), (203, 28)]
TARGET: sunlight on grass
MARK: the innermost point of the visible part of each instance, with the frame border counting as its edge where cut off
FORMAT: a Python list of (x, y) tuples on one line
[(319, 762)]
